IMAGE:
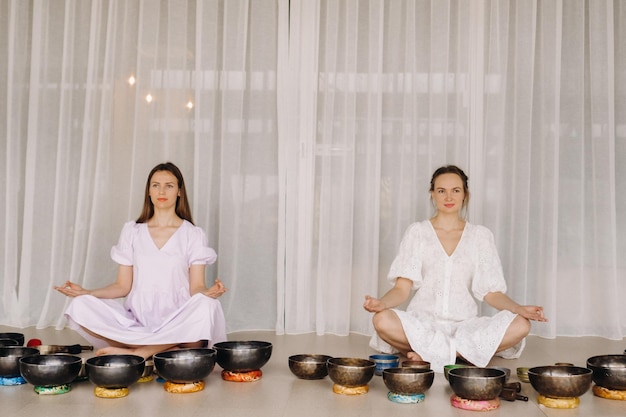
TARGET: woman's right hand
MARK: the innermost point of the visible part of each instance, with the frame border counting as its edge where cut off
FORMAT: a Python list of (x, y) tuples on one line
[(373, 305), (71, 290)]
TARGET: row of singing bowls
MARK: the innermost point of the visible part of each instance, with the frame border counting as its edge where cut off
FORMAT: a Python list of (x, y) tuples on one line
[(191, 365), (116, 371), (119, 371), (353, 372), (609, 371), (10, 359)]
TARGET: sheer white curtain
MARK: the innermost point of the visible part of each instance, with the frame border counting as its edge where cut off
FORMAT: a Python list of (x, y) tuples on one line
[(381, 99), (524, 95), (94, 94), (307, 131), (554, 157)]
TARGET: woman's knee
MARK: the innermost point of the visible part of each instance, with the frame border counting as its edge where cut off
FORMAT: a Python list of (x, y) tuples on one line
[(382, 320), (377, 320)]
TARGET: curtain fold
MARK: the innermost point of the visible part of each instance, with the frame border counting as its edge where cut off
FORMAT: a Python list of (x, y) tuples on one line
[(307, 132), (550, 130), (96, 94)]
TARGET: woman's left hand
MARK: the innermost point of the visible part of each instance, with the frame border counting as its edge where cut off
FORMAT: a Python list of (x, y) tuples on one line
[(216, 289), (532, 313)]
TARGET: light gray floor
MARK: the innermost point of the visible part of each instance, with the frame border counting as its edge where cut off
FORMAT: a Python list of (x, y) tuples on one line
[(279, 393)]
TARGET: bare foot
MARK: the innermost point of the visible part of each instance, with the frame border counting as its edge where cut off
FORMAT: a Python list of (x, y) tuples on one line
[(413, 356)]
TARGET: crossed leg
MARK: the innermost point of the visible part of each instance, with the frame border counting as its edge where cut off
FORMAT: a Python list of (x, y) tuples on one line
[(389, 328), (145, 351)]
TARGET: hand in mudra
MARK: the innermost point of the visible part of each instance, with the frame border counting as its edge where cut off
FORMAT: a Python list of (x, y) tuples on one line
[(373, 305), (70, 289), (216, 290)]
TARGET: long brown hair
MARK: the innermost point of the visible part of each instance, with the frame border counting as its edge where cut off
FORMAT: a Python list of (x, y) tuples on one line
[(183, 210)]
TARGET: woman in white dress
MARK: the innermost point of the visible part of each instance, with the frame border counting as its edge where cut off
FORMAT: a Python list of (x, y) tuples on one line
[(162, 259), (451, 264)]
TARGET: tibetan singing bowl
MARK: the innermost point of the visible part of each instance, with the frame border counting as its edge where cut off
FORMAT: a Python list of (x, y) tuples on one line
[(18, 337), (416, 364), (243, 356), (309, 366), (10, 359), (609, 371), (473, 383), (50, 370), (408, 381), (351, 372), (114, 371), (185, 366), (560, 381)]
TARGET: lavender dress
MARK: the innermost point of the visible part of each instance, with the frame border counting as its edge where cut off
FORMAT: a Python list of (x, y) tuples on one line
[(159, 308), (442, 318)]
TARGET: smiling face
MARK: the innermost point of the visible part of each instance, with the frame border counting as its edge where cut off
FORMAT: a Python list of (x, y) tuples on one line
[(448, 193), (164, 190)]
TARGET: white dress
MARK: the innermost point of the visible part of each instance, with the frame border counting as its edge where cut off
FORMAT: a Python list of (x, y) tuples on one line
[(159, 308), (442, 318)]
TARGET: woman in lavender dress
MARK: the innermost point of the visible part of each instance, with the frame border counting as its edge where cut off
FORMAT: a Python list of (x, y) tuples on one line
[(159, 300)]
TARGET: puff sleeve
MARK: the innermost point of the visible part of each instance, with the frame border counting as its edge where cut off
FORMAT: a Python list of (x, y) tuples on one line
[(122, 253), (408, 262), (488, 275), (199, 250)]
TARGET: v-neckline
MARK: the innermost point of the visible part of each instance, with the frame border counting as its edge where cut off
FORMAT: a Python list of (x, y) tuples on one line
[(168, 239), (443, 249)]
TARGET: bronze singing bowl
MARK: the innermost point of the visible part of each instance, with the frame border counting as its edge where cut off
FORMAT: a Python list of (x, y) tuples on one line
[(18, 337), (416, 364), (185, 365), (243, 356), (50, 370), (474, 383), (10, 359), (309, 366), (351, 372), (408, 381), (609, 371), (115, 371), (557, 381)]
